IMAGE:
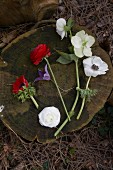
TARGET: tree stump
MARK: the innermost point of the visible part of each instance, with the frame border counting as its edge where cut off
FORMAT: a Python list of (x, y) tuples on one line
[(14, 12), (22, 118)]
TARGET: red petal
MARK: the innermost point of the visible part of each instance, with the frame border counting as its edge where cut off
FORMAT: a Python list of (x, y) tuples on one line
[(17, 84), (39, 53)]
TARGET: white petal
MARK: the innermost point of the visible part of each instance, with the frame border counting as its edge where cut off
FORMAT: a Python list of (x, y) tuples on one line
[(76, 41), (103, 67), (90, 72), (61, 33), (49, 117), (1, 108), (97, 61), (101, 72), (100, 63), (90, 40), (81, 34), (60, 23), (88, 61), (87, 52), (78, 52)]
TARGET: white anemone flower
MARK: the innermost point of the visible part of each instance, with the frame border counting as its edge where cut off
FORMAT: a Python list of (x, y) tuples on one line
[(94, 66), (49, 117), (60, 27), (1, 108), (82, 43)]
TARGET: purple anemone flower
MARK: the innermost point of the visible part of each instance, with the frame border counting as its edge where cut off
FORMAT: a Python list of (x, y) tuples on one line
[(43, 75)]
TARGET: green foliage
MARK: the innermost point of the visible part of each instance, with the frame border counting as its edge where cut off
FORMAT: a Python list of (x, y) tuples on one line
[(63, 60), (66, 58), (25, 94), (71, 49), (46, 165), (72, 151), (88, 93), (69, 25)]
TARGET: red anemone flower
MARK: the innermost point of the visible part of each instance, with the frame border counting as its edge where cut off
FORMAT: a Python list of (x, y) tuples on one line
[(39, 53), (19, 83)]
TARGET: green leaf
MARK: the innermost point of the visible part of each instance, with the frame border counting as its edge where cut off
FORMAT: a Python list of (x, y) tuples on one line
[(70, 23), (63, 60), (66, 28), (71, 49), (66, 58), (65, 55), (73, 57)]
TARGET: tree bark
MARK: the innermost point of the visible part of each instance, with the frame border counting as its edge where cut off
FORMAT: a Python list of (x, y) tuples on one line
[(14, 12)]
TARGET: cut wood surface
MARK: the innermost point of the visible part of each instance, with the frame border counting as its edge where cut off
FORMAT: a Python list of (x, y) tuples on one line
[(22, 118), (14, 12)]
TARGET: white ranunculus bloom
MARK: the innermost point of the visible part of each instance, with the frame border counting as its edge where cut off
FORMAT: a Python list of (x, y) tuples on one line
[(94, 66), (49, 117), (60, 24), (82, 43), (1, 108)]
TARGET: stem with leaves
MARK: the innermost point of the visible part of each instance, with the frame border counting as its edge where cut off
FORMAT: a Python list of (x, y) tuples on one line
[(83, 100), (71, 113)]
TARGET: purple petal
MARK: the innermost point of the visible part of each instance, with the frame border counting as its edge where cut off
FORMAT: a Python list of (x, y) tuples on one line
[(38, 78), (43, 75), (46, 75), (46, 71)]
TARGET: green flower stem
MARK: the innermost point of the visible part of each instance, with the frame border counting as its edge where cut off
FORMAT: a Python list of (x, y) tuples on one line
[(34, 101), (57, 88), (71, 113), (78, 86), (70, 33), (63, 124), (83, 100)]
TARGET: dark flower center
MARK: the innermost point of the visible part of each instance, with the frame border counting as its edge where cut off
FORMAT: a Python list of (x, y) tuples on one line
[(21, 85), (94, 67)]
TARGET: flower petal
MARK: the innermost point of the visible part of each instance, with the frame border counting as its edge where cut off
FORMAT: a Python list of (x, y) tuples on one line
[(43, 75), (61, 33), (88, 62), (87, 52), (60, 23), (19, 83), (103, 67), (101, 72), (39, 53), (76, 41), (49, 117), (90, 41), (78, 52), (1, 108), (81, 34), (97, 60), (90, 72)]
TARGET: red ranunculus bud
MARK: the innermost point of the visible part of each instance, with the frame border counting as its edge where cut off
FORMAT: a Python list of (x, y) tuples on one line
[(39, 53), (19, 83)]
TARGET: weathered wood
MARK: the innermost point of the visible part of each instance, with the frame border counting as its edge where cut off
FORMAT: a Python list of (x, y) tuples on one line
[(24, 121), (110, 99), (20, 11)]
